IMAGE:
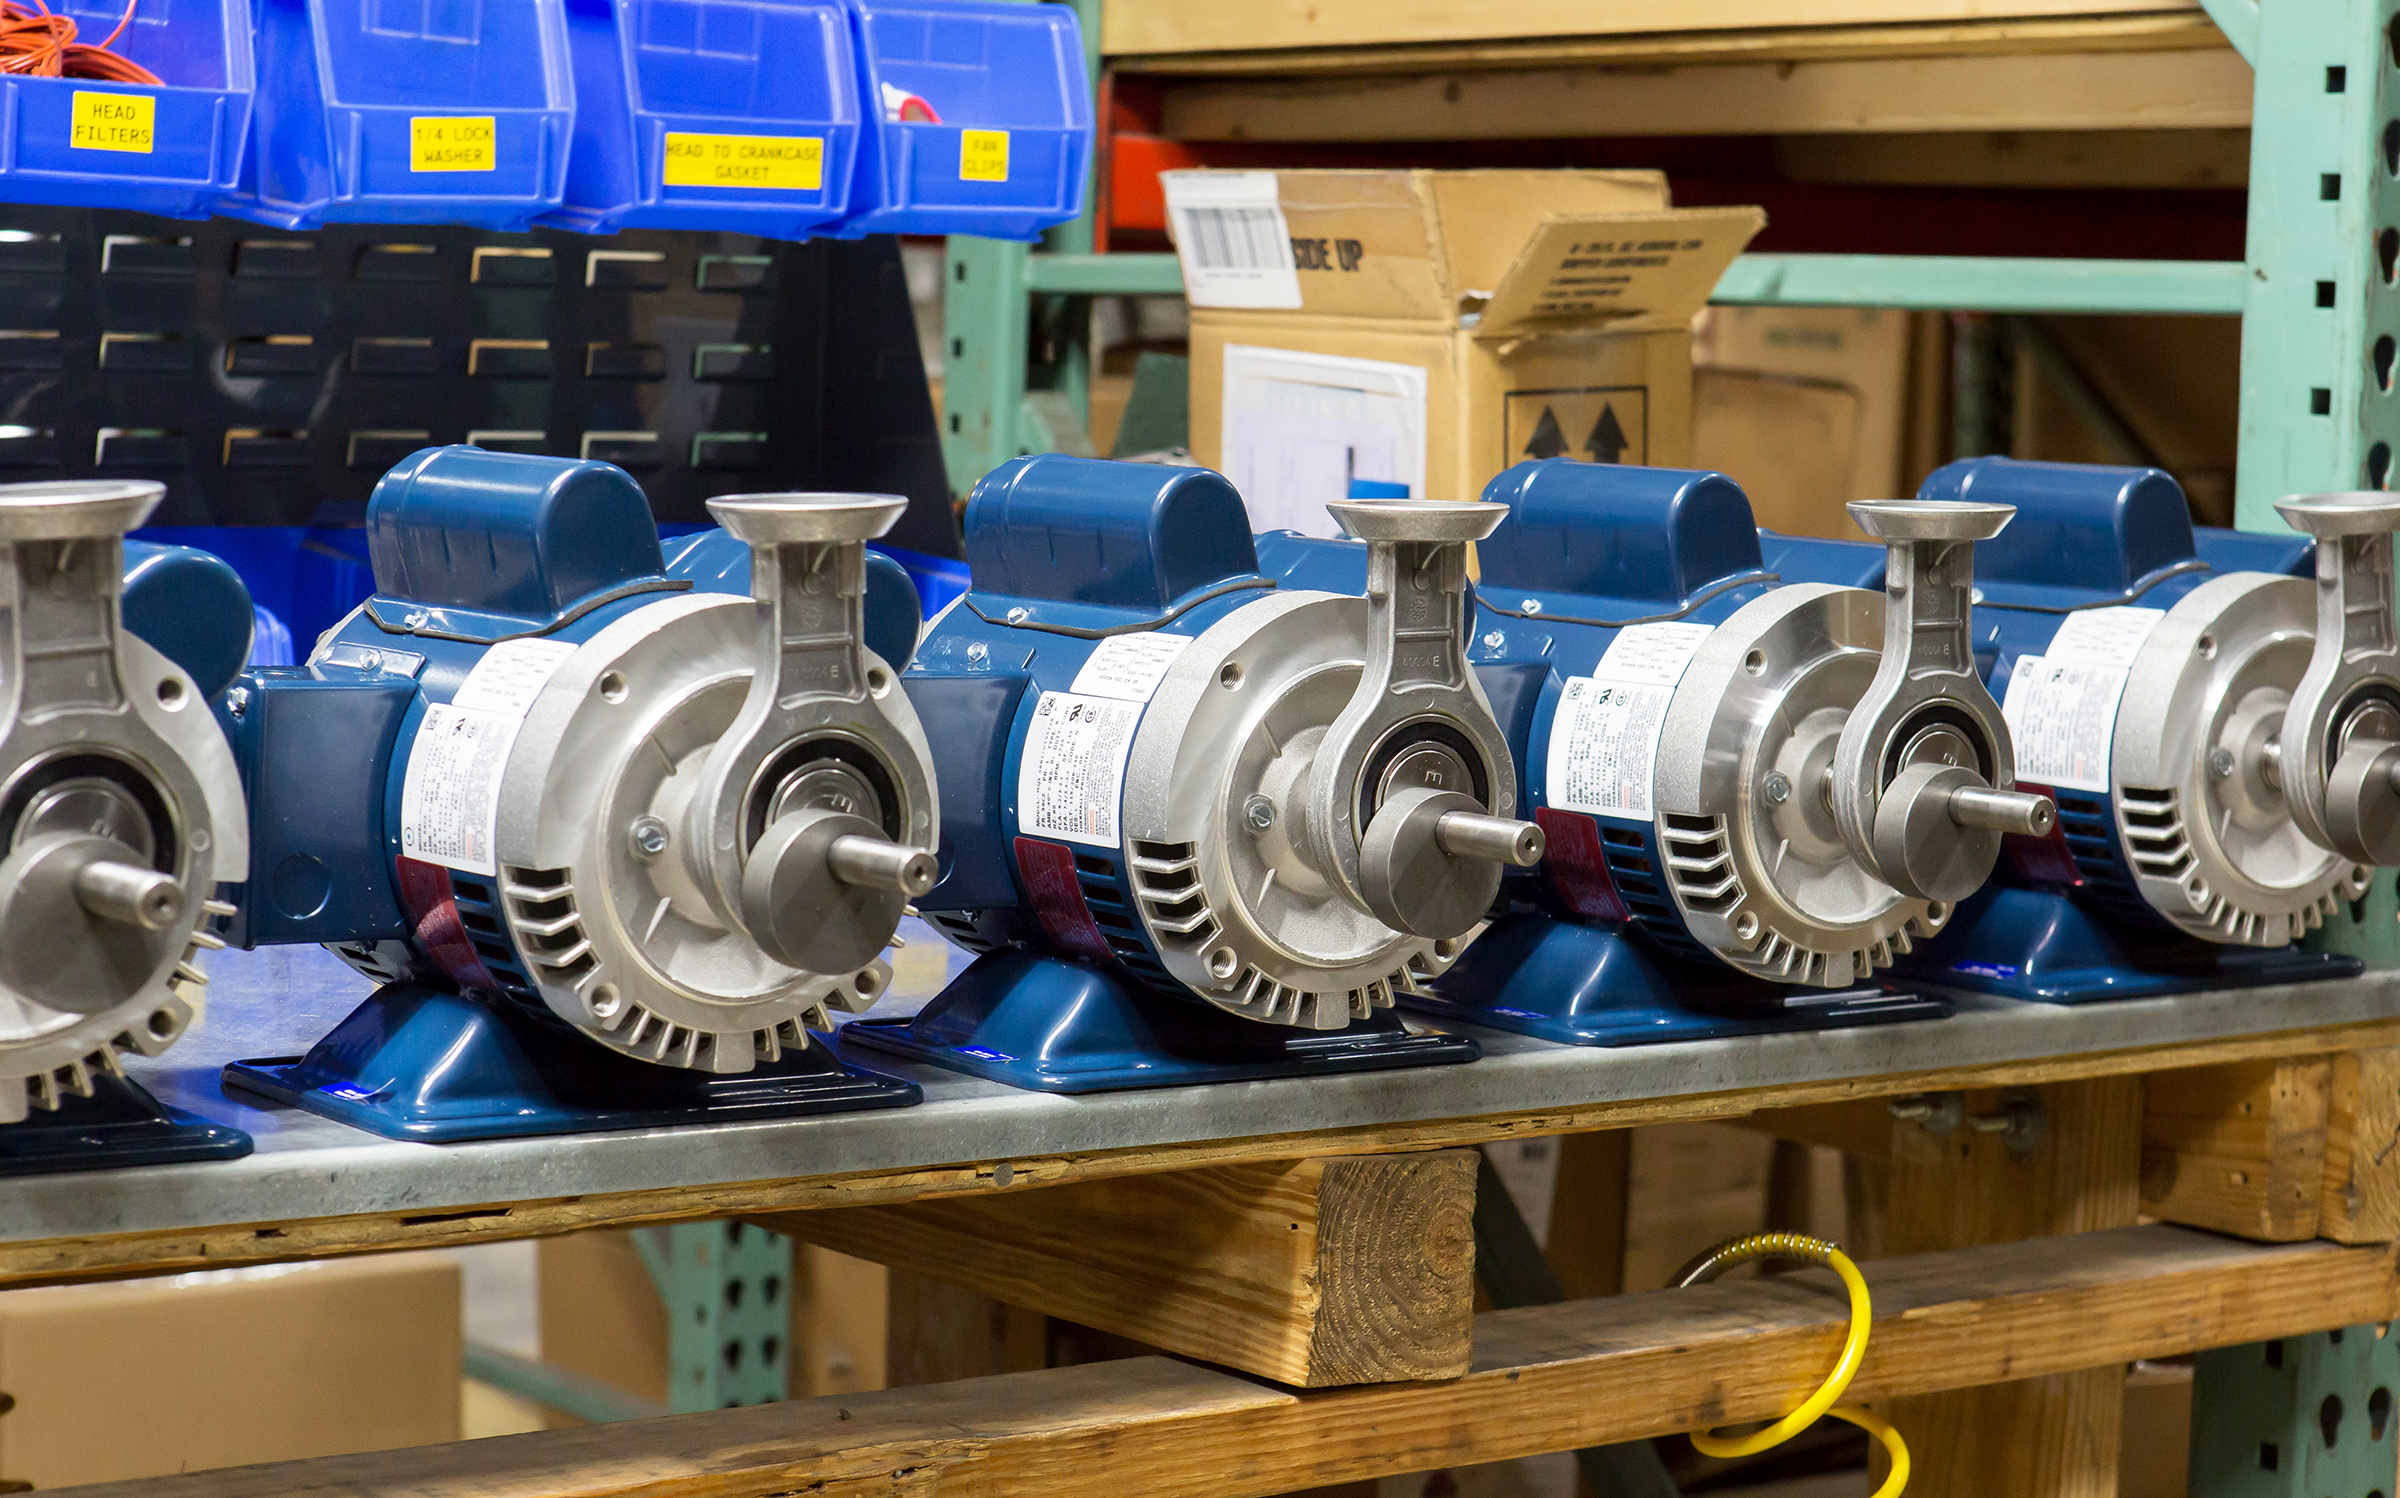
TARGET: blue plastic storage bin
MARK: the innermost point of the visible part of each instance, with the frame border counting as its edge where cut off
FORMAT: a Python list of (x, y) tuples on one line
[(979, 118), (736, 115), (409, 112), (173, 149)]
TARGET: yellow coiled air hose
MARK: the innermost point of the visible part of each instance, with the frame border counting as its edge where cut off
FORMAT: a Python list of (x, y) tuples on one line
[(1800, 1246)]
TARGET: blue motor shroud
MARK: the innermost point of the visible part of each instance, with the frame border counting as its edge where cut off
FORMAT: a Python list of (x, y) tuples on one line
[(1132, 718), (1600, 946), (481, 788), (2145, 676), (115, 773)]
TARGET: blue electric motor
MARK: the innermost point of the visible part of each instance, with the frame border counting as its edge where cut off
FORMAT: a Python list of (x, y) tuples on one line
[(615, 833), (1779, 787), (2152, 688), (1199, 826), (120, 813)]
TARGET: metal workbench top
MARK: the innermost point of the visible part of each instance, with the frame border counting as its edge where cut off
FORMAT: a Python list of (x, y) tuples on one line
[(275, 1002)]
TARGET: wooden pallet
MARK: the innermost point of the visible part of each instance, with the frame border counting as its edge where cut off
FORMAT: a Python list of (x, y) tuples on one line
[(1333, 1296), (115, 1255)]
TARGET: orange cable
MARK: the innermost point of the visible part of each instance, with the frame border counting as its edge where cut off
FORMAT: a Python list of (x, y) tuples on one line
[(39, 43)]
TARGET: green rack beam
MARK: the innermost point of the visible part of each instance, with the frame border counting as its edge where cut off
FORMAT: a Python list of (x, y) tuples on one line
[(1945, 283)]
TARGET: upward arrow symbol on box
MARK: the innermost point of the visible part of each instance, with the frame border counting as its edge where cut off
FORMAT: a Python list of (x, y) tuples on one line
[(1607, 442), (1547, 440)]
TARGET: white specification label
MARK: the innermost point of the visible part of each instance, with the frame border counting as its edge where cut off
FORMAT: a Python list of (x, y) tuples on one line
[(450, 799), (510, 675), (2103, 637), (1071, 777), (1129, 667), (1651, 654), (2063, 715), (1604, 739), (2062, 704)]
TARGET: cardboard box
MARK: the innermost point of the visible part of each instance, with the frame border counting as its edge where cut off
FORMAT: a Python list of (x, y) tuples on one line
[(1429, 329), (1789, 442), (1864, 350), (146, 1378)]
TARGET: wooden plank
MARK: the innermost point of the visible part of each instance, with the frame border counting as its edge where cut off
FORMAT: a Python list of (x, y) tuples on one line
[(2055, 1435), (1174, 26), (1862, 1128), (1586, 1241), (2179, 90), (2013, 158), (937, 1332), (2238, 1148), (2361, 1200), (1548, 1378), (2136, 32), (1316, 1272), (58, 1260)]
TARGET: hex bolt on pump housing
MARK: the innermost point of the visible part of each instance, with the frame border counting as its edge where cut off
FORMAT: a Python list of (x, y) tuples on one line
[(2221, 745), (1201, 826), (1756, 796), (120, 812), (622, 816)]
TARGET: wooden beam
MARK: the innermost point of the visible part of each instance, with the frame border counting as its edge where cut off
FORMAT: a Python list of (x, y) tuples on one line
[(1586, 1241), (1862, 1128), (2238, 1148), (937, 1332), (1549, 1378), (1315, 1273), (2181, 90), (1176, 26), (2016, 158), (219, 1245), (2055, 1435), (2361, 1201), (2143, 32)]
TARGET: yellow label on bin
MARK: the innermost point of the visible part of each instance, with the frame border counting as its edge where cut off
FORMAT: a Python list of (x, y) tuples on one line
[(983, 156), (113, 122), (453, 143), (787, 163)]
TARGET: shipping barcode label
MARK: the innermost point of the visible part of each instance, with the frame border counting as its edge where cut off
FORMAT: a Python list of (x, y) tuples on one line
[(1604, 736), (1232, 239), (450, 796), (1071, 777)]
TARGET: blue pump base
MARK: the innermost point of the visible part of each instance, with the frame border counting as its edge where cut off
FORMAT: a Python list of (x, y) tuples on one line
[(1575, 984), (414, 1063), (2042, 947), (118, 1126), (1052, 1026)]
